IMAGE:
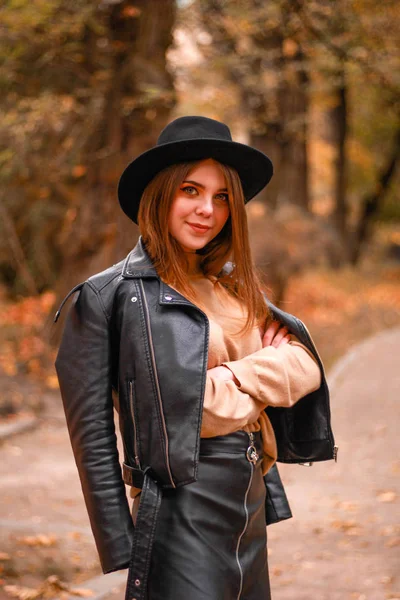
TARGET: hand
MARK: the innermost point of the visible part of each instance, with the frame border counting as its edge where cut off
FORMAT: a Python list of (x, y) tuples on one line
[(275, 335)]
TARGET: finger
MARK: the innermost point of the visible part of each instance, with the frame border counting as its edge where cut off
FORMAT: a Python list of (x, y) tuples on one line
[(285, 340), (270, 333), (279, 336)]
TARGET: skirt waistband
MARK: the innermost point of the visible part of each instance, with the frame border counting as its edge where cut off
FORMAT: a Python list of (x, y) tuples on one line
[(234, 443)]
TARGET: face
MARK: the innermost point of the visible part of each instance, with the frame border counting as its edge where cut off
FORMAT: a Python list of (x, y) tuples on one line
[(201, 199)]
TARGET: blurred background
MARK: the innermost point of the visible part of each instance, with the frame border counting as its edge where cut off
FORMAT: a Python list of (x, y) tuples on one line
[(86, 87)]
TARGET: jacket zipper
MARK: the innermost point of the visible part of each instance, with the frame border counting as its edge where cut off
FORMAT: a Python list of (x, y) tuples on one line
[(150, 337), (335, 447), (135, 443), (252, 457)]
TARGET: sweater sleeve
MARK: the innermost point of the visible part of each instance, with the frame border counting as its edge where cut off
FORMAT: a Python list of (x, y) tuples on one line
[(278, 376), (226, 408)]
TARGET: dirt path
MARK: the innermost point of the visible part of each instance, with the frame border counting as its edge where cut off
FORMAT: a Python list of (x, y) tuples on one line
[(343, 542), (43, 524)]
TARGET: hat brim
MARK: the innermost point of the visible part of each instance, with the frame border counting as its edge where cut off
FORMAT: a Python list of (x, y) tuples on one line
[(253, 166)]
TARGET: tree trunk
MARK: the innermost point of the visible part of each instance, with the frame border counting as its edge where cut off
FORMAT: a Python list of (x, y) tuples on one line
[(338, 117), (294, 103), (136, 107), (279, 123), (373, 202), (271, 144), (273, 86)]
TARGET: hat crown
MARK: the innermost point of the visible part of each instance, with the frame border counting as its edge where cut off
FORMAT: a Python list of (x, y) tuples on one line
[(196, 127)]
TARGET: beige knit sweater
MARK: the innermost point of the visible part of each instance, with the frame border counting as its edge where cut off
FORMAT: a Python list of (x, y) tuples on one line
[(268, 376)]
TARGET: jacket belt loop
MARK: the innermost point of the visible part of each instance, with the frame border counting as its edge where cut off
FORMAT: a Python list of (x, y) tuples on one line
[(143, 537)]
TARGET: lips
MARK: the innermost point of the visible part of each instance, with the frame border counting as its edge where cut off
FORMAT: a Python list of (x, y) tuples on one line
[(196, 227)]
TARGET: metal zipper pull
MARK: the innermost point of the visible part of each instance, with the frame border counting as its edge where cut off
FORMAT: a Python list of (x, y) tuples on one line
[(335, 451), (251, 452)]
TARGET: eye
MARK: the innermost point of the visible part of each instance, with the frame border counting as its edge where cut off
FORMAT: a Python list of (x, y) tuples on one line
[(224, 197), (189, 187)]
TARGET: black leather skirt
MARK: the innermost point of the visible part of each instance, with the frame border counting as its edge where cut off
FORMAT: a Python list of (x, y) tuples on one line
[(211, 539)]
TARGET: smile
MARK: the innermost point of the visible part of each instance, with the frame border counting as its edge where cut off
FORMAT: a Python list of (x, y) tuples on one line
[(199, 229)]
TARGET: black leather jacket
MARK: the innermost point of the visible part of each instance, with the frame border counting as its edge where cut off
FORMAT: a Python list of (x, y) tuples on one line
[(133, 342)]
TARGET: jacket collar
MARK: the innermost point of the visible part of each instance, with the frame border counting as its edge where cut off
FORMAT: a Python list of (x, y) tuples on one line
[(138, 263)]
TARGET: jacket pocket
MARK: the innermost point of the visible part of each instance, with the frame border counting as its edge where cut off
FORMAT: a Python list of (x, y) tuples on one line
[(133, 413)]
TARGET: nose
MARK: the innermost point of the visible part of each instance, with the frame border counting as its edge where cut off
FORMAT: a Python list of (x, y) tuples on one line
[(205, 206)]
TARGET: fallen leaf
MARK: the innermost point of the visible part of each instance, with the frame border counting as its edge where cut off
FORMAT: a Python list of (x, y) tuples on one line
[(84, 592), (343, 542), (347, 505), (389, 530), (51, 587), (388, 496), (306, 564), (23, 593), (392, 542), (349, 527), (317, 530), (395, 466), (38, 540)]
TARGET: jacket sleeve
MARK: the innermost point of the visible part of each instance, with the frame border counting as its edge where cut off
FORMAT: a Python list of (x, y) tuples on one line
[(83, 366), (278, 376)]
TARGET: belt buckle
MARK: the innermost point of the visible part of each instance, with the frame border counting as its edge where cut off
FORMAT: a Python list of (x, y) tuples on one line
[(251, 452)]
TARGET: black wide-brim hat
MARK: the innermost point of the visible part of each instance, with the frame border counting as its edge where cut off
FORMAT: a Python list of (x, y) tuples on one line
[(193, 138)]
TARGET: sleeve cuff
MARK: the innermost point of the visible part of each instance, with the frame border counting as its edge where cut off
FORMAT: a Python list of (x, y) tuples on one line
[(245, 372)]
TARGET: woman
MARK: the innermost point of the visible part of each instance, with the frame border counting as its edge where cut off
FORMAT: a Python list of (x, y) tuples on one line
[(200, 368)]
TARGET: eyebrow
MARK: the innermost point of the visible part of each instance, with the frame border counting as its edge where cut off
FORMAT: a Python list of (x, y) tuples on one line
[(202, 186)]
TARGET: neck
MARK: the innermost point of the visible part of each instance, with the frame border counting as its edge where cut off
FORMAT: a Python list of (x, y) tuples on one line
[(193, 260)]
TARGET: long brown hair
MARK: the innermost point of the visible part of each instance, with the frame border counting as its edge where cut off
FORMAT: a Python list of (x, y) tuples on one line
[(232, 243)]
